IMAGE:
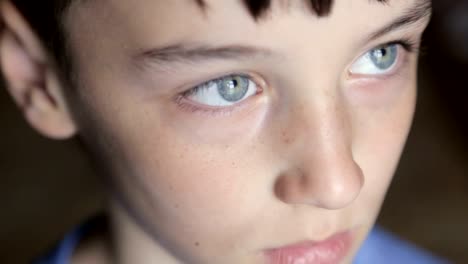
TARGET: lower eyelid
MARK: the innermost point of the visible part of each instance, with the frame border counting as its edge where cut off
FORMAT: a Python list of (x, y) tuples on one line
[(401, 71), (194, 108)]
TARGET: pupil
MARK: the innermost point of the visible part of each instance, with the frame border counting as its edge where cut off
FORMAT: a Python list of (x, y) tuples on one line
[(381, 53), (232, 84), (384, 52)]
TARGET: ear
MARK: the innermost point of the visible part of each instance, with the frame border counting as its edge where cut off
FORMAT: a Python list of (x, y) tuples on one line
[(31, 77)]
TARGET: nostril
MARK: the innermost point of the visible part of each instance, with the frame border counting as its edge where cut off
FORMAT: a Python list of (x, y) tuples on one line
[(289, 187), (284, 189)]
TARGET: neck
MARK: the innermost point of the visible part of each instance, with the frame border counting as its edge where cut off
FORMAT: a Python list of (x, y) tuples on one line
[(95, 245)]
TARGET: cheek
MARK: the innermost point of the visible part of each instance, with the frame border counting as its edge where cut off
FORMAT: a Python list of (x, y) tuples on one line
[(184, 170), (195, 198), (174, 179), (191, 179), (379, 136)]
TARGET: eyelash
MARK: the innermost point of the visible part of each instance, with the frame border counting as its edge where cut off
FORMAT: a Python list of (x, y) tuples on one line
[(213, 110), (200, 86), (407, 44)]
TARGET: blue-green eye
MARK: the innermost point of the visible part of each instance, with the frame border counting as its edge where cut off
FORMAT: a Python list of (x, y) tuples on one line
[(233, 88), (224, 91), (377, 61)]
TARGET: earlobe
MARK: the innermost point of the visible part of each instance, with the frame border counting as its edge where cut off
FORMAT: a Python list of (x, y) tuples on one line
[(30, 78)]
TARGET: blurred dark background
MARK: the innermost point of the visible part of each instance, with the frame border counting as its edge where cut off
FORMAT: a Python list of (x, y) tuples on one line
[(47, 187)]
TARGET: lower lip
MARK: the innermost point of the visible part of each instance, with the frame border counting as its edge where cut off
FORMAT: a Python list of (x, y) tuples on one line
[(330, 251)]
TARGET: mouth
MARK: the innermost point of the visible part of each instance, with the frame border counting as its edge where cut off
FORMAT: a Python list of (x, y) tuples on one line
[(329, 251)]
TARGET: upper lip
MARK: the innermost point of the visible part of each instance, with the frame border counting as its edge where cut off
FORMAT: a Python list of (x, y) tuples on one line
[(327, 251)]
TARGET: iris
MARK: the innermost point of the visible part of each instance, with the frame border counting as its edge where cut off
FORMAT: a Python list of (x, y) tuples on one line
[(233, 88), (384, 57)]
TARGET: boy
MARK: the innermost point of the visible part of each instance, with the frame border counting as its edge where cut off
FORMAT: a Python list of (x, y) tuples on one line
[(226, 131)]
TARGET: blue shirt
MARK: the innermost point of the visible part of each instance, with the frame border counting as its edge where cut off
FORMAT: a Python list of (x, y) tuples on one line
[(380, 247)]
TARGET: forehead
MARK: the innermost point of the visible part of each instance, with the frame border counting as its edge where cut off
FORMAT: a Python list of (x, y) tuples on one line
[(112, 28), (256, 8), (192, 13)]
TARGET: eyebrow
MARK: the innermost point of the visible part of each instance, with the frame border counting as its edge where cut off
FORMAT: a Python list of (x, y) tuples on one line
[(195, 53), (420, 10), (192, 53)]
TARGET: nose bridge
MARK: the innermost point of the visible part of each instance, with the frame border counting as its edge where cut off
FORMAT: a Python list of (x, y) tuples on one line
[(323, 171), (332, 127), (320, 124)]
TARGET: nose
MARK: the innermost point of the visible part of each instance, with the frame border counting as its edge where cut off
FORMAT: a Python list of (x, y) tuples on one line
[(321, 169)]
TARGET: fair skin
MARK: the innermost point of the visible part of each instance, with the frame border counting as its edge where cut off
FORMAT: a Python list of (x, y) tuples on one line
[(309, 152)]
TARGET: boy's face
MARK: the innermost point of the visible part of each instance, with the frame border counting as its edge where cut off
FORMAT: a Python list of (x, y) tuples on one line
[(296, 139)]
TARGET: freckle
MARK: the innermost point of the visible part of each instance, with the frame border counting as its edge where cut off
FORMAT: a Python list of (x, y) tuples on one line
[(286, 139), (197, 244)]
